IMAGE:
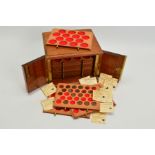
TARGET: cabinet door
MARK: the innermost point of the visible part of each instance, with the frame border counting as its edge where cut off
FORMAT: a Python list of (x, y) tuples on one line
[(34, 73), (112, 64)]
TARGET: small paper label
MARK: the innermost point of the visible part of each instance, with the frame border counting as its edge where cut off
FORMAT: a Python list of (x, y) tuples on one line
[(88, 81), (98, 118), (49, 89), (102, 96), (47, 104), (106, 107)]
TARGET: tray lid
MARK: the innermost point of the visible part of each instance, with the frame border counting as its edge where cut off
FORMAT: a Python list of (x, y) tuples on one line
[(112, 64), (53, 52), (35, 73)]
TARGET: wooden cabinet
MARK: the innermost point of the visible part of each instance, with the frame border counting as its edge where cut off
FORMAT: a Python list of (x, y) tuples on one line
[(69, 64)]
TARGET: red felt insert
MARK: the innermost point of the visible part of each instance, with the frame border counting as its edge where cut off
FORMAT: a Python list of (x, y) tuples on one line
[(69, 39), (76, 110), (79, 40), (59, 38), (72, 102), (90, 99), (69, 98), (73, 44), (83, 99), (62, 31), (66, 93), (85, 37), (81, 33), (76, 36), (76, 98), (63, 43), (65, 35), (52, 41), (71, 32), (84, 45), (62, 97), (87, 95), (56, 34), (58, 101)]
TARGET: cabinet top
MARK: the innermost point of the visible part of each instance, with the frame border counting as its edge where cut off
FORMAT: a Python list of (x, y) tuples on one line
[(60, 52)]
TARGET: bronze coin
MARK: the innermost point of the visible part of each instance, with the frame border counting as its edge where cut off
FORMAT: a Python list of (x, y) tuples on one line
[(74, 86), (93, 103), (79, 102), (84, 91), (80, 94), (90, 91), (67, 86), (87, 87), (59, 93), (63, 89), (73, 94), (70, 90), (61, 86), (65, 101), (86, 103), (80, 87), (77, 90)]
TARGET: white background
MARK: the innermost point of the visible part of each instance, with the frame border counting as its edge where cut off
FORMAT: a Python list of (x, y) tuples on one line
[(134, 95), (98, 12)]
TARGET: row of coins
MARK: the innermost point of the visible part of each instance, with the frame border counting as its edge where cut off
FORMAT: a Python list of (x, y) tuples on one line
[(76, 94), (75, 87), (75, 110), (86, 103)]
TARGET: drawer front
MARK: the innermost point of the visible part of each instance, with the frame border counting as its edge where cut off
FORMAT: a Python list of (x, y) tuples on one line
[(56, 69), (72, 67), (87, 68)]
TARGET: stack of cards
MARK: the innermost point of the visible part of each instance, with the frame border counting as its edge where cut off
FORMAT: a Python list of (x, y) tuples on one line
[(90, 98)]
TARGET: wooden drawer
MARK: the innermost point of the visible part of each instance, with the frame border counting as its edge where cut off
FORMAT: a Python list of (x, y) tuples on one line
[(56, 66), (72, 67), (87, 67)]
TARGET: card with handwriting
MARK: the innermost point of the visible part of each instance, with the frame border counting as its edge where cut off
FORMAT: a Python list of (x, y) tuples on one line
[(47, 104), (49, 89)]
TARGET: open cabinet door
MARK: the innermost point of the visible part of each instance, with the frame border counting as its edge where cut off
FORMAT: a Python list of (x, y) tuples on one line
[(34, 73), (112, 64)]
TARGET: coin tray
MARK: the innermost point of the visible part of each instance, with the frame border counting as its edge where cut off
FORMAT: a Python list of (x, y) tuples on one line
[(70, 38), (76, 96), (75, 113)]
